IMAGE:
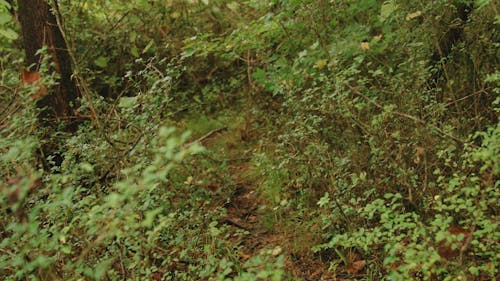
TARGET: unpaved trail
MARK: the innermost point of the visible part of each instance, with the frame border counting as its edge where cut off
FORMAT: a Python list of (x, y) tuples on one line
[(245, 213)]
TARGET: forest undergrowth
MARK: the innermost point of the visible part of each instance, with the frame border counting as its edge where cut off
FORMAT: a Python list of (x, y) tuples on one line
[(255, 140)]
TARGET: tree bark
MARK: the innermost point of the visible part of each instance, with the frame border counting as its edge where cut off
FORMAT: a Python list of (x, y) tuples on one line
[(39, 28)]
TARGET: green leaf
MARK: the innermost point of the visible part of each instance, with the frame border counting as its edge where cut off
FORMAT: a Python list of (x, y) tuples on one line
[(66, 249), (482, 3), (9, 34), (127, 102), (188, 52), (132, 36), (101, 61), (324, 200), (259, 75), (4, 5), (5, 17), (148, 46), (387, 9), (87, 167), (233, 5), (150, 217), (214, 231), (134, 51)]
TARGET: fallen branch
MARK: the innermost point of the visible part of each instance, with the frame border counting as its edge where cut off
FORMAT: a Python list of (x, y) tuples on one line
[(233, 222), (243, 158), (206, 136)]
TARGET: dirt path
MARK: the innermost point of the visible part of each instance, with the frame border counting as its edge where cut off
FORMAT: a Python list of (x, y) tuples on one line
[(244, 212)]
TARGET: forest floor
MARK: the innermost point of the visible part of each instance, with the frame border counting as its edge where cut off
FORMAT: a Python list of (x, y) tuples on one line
[(248, 211)]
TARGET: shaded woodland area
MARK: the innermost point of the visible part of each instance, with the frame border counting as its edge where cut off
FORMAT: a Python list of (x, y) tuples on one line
[(249, 140)]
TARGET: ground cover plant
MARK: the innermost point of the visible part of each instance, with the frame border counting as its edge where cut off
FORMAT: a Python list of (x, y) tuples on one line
[(249, 140)]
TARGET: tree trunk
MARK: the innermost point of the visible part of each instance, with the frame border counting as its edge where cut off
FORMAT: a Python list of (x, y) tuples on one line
[(39, 28)]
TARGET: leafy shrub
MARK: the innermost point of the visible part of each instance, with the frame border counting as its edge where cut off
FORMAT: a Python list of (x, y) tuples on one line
[(376, 122)]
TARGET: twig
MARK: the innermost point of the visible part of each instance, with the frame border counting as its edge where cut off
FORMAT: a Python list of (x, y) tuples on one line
[(244, 158), (411, 117), (118, 22), (249, 70), (76, 73), (206, 136), (179, 111), (337, 204), (125, 154), (11, 102), (233, 222), (466, 97), (234, 159), (122, 267), (7, 252), (153, 67), (8, 88), (459, 100)]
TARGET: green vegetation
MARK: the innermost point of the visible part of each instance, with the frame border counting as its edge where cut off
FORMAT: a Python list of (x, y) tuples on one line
[(256, 140)]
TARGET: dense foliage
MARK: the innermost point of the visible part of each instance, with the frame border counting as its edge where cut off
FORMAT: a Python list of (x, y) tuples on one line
[(363, 137)]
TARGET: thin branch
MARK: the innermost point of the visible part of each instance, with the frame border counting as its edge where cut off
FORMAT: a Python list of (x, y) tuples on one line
[(123, 156), (466, 97), (411, 117), (8, 88), (222, 160), (76, 73), (206, 136)]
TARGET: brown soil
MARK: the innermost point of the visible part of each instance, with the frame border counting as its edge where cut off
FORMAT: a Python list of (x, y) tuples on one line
[(244, 215)]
